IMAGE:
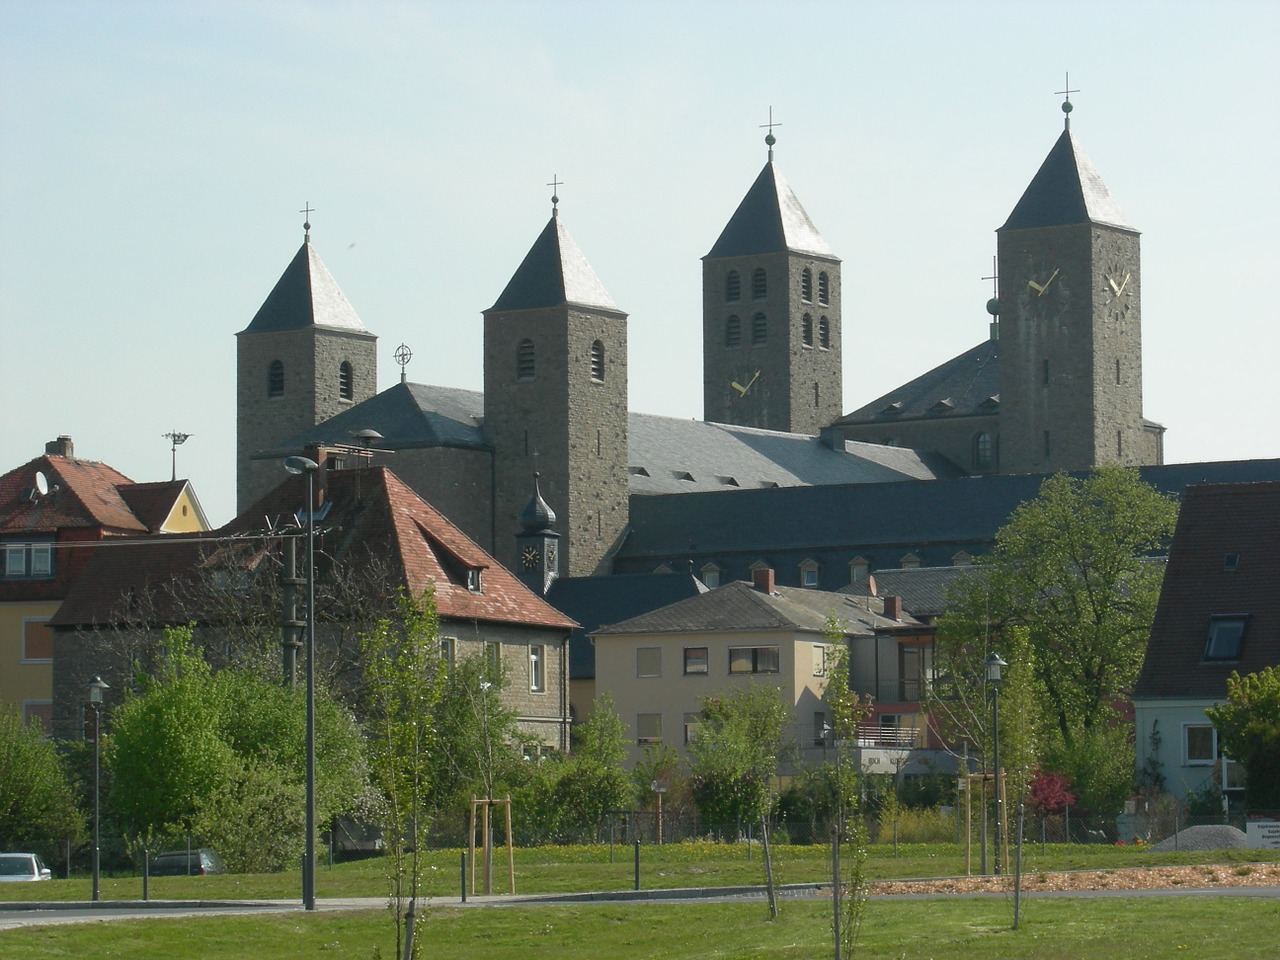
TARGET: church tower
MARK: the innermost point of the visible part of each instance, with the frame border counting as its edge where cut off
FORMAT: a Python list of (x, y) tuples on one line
[(303, 358), (771, 315), (555, 402), (1070, 324)]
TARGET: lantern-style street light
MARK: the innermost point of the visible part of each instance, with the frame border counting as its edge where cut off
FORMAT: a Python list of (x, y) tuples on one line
[(994, 665), (96, 688)]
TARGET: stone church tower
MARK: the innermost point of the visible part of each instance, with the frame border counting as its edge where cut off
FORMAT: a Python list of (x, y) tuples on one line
[(555, 402), (771, 316), (1070, 325), (304, 358)]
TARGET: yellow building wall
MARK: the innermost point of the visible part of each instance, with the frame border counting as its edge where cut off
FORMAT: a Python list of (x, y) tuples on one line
[(26, 682), (186, 516)]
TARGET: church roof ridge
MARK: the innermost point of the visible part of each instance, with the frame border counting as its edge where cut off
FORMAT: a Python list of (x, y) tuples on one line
[(554, 272), (306, 295), (1067, 189), (770, 219)]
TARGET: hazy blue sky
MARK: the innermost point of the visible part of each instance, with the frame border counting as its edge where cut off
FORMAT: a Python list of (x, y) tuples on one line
[(154, 157)]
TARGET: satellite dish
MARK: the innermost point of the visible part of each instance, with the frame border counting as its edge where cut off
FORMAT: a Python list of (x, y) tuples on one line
[(42, 483), (871, 586)]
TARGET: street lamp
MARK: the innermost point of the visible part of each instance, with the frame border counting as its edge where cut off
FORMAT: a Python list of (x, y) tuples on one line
[(993, 665), (297, 465), (96, 688), (659, 788)]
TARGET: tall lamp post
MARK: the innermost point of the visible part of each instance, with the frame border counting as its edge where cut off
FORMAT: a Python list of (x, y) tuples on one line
[(96, 688), (994, 665), (297, 465)]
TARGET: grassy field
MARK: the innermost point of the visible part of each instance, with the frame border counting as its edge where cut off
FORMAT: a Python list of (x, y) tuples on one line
[(1207, 928), (561, 869)]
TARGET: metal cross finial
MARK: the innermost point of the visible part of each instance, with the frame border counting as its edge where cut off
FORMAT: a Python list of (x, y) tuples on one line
[(769, 138), (306, 224), (403, 355), (555, 184), (1066, 103)]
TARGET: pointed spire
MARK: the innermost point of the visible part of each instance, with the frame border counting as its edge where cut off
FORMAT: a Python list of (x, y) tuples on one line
[(770, 219), (537, 517), (305, 295), (554, 272)]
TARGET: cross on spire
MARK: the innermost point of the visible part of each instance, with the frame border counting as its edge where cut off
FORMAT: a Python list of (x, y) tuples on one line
[(769, 138), (555, 184), (306, 224), (1066, 93)]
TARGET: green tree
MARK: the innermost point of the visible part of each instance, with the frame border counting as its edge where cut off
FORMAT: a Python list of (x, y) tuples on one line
[(1072, 568), (734, 757), (404, 678), (36, 798), (1248, 725)]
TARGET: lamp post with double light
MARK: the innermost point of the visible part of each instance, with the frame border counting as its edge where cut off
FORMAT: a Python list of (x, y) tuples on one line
[(97, 686), (994, 665), (303, 465)]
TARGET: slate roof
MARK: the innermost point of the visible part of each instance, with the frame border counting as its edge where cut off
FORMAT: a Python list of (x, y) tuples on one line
[(82, 494), (964, 386), (371, 514), (1067, 189), (923, 589), (1216, 521), (770, 220), (305, 295), (554, 272), (739, 606), (598, 601)]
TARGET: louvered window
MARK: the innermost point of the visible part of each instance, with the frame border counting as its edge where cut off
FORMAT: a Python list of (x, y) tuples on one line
[(759, 329), (806, 285), (824, 333), (597, 361), (732, 287), (824, 289), (806, 330), (275, 379), (733, 331), (345, 381), (759, 284), (524, 360)]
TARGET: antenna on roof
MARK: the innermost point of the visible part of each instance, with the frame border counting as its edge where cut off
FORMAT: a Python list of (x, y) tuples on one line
[(177, 439), (1066, 93)]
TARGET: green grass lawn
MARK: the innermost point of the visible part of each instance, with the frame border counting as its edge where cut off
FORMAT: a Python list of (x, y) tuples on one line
[(1206, 928), (581, 868)]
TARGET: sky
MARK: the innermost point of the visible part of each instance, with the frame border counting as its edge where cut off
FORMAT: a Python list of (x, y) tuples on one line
[(155, 157)]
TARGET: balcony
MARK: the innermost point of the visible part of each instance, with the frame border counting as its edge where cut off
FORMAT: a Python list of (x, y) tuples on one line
[(901, 738), (901, 691)]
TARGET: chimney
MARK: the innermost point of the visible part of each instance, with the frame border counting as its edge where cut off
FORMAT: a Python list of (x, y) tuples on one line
[(832, 438), (893, 608), (762, 580), (62, 447), (319, 454)]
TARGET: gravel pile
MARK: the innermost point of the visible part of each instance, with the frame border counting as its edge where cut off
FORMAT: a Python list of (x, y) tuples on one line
[(1210, 837)]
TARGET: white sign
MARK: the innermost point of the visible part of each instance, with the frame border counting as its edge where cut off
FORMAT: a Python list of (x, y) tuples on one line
[(1263, 834)]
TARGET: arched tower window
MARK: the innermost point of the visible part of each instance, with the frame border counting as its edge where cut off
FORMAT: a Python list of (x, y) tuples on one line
[(983, 449), (759, 329), (346, 381), (806, 330), (824, 289), (824, 333), (759, 284), (597, 361), (806, 285), (732, 287), (524, 360), (733, 331), (275, 379)]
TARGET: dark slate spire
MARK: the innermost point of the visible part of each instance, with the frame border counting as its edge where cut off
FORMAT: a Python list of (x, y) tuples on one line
[(554, 272), (537, 517), (769, 220), (305, 295), (1067, 189)]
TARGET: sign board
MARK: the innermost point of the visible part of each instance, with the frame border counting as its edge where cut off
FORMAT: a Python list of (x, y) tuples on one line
[(1263, 833)]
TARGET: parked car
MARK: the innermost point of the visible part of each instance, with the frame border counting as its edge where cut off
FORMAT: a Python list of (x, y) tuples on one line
[(182, 863), (23, 866)]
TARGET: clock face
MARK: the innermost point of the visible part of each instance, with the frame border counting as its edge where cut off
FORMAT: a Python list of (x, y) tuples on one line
[(530, 558), (744, 383), (1045, 292)]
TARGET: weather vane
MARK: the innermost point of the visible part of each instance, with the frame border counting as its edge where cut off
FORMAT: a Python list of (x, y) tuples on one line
[(176, 439), (403, 355)]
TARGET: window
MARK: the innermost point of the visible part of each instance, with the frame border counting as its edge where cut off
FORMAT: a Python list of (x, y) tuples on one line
[(15, 560), (448, 650), (38, 714), (821, 657), (1117, 371), (1231, 562), (648, 729), (1119, 443), (649, 662), (275, 379), (824, 333), (824, 289), (345, 381), (525, 360), (806, 285), (1226, 637), (910, 561), (1045, 373), (711, 576), (733, 331), (597, 361), (695, 660), (692, 723), (493, 655), (759, 284), (982, 451), (806, 330), (754, 660), (759, 329), (859, 570), (809, 574), (537, 668), (473, 580), (37, 641), (28, 559), (732, 287), (1199, 748)]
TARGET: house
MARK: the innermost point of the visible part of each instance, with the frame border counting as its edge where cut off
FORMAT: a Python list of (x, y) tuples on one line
[(659, 666), (1219, 613), (374, 536), (54, 511)]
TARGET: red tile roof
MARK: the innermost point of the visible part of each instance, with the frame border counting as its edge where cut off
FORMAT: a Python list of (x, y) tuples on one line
[(153, 502), (82, 493), (1216, 521)]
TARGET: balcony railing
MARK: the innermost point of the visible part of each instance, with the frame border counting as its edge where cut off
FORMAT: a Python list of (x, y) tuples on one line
[(901, 691), (874, 735)]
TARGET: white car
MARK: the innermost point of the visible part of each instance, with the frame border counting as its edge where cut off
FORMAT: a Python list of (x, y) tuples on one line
[(23, 866)]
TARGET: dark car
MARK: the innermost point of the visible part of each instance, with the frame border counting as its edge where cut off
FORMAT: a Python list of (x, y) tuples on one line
[(184, 863)]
